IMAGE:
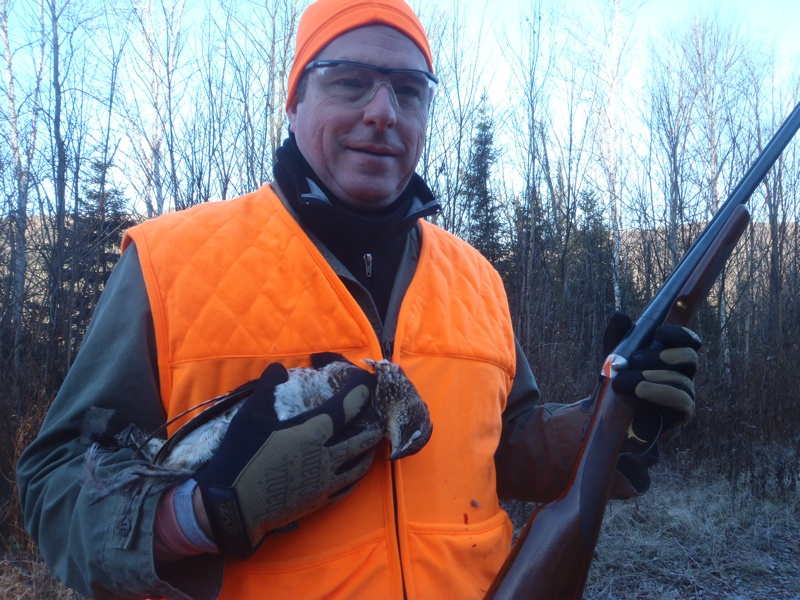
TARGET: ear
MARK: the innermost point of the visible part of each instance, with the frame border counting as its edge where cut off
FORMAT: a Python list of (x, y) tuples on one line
[(291, 112)]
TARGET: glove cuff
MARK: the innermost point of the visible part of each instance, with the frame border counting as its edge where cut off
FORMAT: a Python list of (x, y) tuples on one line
[(227, 522)]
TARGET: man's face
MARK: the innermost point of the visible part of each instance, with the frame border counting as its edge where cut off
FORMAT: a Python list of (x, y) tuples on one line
[(366, 154)]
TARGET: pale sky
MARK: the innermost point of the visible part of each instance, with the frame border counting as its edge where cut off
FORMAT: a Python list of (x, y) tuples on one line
[(776, 19), (771, 25), (767, 21)]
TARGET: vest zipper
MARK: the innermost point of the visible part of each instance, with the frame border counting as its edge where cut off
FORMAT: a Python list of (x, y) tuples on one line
[(368, 264), (387, 346), (397, 535)]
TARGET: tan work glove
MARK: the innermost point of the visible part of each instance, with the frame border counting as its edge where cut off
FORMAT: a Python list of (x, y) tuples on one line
[(268, 473)]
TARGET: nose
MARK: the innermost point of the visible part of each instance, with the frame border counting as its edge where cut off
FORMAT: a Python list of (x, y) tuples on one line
[(380, 109)]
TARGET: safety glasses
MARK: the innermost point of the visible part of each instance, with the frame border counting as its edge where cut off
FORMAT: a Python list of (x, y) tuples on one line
[(357, 83)]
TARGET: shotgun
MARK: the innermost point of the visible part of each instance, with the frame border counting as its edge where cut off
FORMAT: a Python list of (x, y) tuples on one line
[(552, 556)]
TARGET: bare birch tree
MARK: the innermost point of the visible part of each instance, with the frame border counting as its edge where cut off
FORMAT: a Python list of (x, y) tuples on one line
[(715, 63), (454, 112), (670, 106), (21, 128), (259, 54), (152, 103), (530, 55), (606, 54)]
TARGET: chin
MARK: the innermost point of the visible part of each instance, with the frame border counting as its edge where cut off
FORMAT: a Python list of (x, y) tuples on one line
[(366, 191), (367, 198)]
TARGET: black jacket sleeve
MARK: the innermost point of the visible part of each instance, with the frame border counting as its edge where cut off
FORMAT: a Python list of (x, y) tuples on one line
[(539, 443)]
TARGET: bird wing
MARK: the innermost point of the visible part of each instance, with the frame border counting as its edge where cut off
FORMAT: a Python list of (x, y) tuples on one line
[(221, 404)]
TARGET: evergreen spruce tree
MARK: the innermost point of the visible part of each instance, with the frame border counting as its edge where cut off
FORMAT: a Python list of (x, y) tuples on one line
[(94, 237), (485, 226)]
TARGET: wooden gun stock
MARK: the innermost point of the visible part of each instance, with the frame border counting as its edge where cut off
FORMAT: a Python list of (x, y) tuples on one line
[(552, 556)]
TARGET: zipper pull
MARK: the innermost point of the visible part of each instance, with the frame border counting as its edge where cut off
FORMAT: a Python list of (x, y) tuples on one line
[(368, 264)]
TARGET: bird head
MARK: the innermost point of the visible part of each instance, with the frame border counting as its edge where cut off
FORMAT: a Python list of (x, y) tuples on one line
[(410, 431), (408, 421)]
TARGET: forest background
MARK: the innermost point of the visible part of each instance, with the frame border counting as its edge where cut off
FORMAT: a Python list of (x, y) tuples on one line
[(580, 157)]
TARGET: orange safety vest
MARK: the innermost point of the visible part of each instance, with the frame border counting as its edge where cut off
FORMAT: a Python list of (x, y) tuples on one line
[(236, 285)]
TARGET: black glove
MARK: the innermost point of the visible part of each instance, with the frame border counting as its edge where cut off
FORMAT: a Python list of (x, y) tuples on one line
[(269, 473), (661, 375)]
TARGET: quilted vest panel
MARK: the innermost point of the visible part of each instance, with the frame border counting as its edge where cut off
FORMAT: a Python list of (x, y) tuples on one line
[(235, 285)]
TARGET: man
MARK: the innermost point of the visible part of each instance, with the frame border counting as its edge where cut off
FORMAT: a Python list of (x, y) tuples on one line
[(333, 256)]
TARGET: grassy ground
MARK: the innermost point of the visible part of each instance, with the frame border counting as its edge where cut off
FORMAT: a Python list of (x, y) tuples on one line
[(30, 580), (690, 537), (699, 537)]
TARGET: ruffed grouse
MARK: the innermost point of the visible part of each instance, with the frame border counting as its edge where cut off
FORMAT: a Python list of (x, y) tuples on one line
[(400, 409)]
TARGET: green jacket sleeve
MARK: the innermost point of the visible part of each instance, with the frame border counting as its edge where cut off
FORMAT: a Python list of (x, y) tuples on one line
[(104, 548)]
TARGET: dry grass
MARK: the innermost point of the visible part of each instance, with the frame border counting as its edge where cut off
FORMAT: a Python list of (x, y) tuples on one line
[(698, 537), (30, 580), (691, 536), (23, 575)]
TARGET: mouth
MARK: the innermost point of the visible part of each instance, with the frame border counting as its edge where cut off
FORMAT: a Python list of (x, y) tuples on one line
[(376, 150)]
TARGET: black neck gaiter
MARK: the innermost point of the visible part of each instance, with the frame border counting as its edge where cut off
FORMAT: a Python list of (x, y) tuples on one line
[(368, 242)]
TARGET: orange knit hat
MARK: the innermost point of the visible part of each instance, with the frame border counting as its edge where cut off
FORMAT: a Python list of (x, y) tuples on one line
[(325, 20)]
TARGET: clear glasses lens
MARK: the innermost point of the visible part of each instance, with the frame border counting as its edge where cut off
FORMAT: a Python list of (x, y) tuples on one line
[(358, 83)]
